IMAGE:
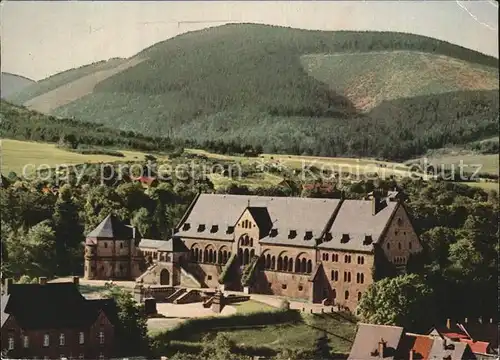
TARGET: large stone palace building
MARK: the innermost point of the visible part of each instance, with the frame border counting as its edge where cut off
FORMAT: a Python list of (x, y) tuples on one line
[(308, 248)]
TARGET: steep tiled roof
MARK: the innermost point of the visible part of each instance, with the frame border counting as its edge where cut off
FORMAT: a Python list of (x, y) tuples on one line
[(355, 219), (173, 245), (443, 349), (368, 336), (480, 347), (286, 213), (152, 244), (421, 345), (295, 221), (112, 228), (52, 306), (262, 218)]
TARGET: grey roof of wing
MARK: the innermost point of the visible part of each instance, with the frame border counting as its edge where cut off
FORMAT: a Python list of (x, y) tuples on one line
[(356, 219)]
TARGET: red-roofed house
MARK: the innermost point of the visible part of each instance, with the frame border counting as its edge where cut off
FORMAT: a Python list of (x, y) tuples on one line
[(481, 338)]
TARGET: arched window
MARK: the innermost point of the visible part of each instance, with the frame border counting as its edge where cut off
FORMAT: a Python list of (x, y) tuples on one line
[(362, 278), (309, 266), (251, 242), (268, 261), (285, 263), (297, 265), (240, 255), (280, 263), (252, 253), (346, 295), (334, 293), (399, 246), (290, 265), (359, 295), (205, 256), (303, 266), (273, 263), (409, 245)]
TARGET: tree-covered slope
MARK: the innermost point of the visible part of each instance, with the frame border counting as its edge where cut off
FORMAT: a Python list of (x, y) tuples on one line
[(12, 84), (290, 90)]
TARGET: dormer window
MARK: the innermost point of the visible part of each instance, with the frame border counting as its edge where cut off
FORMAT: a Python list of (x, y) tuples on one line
[(214, 228), (274, 232), (186, 227), (308, 235), (292, 234), (230, 230), (345, 238), (328, 236), (201, 227), (368, 240)]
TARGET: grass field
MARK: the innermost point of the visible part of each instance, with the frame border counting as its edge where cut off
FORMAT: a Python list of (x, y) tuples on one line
[(296, 336), (17, 155), (483, 185), (485, 163), (251, 306)]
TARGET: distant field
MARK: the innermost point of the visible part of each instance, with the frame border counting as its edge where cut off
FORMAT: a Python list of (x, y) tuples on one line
[(17, 154), (483, 185), (487, 163)]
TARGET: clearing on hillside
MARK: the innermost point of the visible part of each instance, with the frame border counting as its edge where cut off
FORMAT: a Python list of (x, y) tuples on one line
[(369, 78)]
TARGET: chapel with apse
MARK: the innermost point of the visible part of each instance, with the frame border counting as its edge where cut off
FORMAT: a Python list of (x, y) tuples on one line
[(308, 248)]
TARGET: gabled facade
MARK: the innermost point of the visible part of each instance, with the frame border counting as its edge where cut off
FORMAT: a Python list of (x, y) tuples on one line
[(314, 249), (53, 320)]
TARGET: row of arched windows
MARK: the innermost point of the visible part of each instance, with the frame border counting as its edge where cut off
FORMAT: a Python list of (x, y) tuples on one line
[(399, 260), (246, 224), (285, 263), (246, 241), (210, 256), (347, 258)]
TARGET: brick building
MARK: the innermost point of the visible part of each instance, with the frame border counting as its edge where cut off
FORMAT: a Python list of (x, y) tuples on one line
[(54, 321), (314, 249)]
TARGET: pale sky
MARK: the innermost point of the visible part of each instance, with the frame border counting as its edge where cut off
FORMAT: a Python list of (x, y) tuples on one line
[(40, 38)]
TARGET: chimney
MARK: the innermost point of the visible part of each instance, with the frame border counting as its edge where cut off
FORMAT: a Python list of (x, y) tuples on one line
[(8, 286), (42, 280), (76, 280), (381, 348), (448, 323)]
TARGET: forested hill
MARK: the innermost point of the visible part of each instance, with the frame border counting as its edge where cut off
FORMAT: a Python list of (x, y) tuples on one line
[(12, 84), (380, 94)]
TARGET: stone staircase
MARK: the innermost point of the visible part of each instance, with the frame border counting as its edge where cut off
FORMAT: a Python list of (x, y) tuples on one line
[(177, 294), (189, 280), (188, 297), (148, 271), (207, 303)]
